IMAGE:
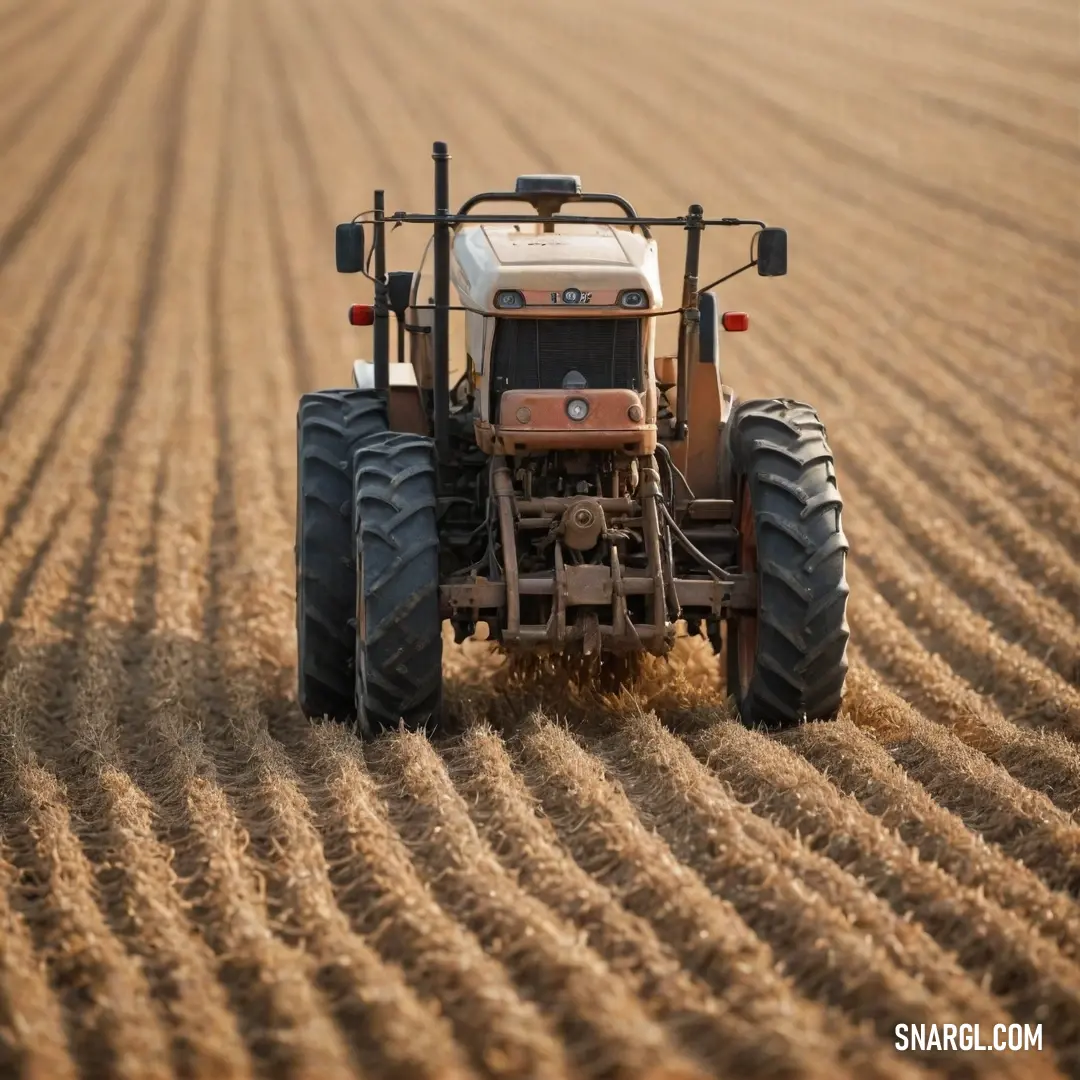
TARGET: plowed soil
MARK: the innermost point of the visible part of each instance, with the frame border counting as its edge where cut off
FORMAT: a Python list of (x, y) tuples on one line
[(197, 883)]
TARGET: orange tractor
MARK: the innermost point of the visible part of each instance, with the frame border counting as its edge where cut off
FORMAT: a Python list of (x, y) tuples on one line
[(572, 490)]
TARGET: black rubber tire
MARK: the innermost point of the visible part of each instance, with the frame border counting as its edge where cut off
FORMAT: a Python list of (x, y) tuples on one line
[(780, 460), (330, 425), (398, 621)]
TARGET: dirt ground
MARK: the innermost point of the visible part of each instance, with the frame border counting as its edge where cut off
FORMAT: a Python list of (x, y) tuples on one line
[(197, 883)]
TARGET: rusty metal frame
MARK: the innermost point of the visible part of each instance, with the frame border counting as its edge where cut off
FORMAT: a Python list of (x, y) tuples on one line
[(593, 585), (580, 585)]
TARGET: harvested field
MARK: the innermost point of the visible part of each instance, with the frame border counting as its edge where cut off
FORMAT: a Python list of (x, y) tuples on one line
[(195, 883)]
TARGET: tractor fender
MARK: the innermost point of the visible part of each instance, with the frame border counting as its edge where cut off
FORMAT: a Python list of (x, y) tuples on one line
[(364, 375), (405, 407)]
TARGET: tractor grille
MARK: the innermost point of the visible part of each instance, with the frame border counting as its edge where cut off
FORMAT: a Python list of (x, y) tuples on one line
[(537, 354)]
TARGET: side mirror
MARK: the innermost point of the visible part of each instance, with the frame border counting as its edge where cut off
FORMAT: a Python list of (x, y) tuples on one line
[(350, 248), (772, 252), (398, 290)]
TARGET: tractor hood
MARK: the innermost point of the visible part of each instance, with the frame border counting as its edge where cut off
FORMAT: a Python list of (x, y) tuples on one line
[(597, 260)]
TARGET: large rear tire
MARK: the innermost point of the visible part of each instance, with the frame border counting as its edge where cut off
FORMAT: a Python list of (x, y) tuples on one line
[(330, 425), (398, 621), (787, 661)]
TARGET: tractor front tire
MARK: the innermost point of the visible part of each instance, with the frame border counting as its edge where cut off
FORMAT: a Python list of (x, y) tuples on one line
[(330, 425), (398, 620), (787, 660)]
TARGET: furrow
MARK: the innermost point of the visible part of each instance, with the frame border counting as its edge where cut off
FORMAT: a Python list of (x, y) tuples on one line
[(486, 92), (365, 106), (598, 826), (45, 189), (1035, 468), (284, 1020), (1002, 54), (323, 181), (122, 1035), (62, 463), (386, 899), (992, 803), (416, 109), (33, 1044), (280, 332), (392, 1033), (281, 1018), (918, 60), (21, 41), (34, 346), (962, 558), (1025, 689), (937, 454), (868, 771), (140, 890), (837, 942), (312, 329), (24, 583), (124, 456), (125, 443), (1027, 24), (28, 114), (856, 141), (251, 565), (350, 981), (168, 593), (289, 108), (977, 115), (56, 236), (285, 280), (798, 49), (505, 814), (976, 492), (1044, 761), (138, 885), (990, 942), (606, 1029)]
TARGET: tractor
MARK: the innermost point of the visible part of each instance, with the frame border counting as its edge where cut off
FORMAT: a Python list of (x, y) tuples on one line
[(572, 490)]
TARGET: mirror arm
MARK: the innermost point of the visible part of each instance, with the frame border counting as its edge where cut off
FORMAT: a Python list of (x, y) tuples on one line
[(727, 277)]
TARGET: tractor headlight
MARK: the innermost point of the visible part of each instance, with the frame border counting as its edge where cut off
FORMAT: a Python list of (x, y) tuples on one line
[(509, 298), (577, 408), (633, 298)]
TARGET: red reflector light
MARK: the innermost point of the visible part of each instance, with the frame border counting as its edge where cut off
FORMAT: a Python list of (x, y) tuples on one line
[(735, 320), (361, 314)]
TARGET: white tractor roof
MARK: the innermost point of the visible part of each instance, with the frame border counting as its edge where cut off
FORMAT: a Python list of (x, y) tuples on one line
[(585, 245), (590, 257)]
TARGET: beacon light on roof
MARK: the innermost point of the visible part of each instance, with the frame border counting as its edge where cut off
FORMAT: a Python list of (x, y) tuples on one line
[(507, 299), (547, 184)]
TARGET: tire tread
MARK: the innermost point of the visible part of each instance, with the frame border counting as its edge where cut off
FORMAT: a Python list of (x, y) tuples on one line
[(779, 448), (331, 425)]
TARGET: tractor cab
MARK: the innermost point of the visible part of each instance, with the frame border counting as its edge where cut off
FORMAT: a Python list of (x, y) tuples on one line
[(559, 343)]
